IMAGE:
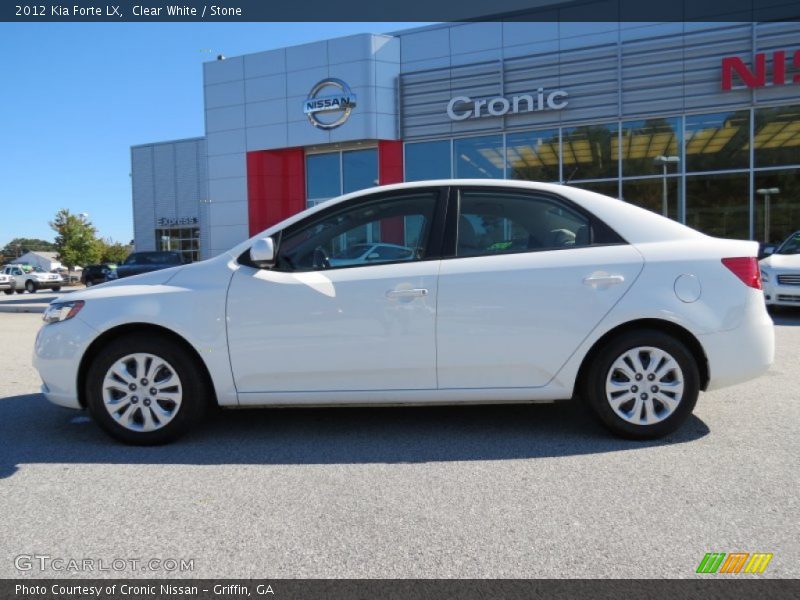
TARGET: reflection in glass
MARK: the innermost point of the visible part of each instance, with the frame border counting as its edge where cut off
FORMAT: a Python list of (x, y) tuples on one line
[(718, 142), (479, 157), (654, 194), (590, 152), (607, 188), (718, 204), (323, 179), (646, 143), (533, 155), (359, 170), (777, 136), (784, 207), (428, 160)]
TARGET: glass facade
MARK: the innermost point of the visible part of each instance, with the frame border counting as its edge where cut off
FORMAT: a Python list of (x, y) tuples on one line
[(332, 174), (185, 240), (428, 160), (701, 169)]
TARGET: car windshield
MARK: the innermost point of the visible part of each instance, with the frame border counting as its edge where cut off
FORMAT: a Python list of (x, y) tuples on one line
[(791, 245)]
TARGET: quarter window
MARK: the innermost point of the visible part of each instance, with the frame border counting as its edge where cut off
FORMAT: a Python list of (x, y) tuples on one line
[(501, 223), (383, 230)]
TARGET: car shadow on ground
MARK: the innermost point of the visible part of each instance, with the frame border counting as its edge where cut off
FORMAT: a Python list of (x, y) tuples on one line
[(785, 316), (34, 431)]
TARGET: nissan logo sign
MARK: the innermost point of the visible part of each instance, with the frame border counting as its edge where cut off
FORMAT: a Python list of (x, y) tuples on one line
[(329, 103)]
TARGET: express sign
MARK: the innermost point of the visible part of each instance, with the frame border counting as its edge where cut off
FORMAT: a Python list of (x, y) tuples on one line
[(756, 77)]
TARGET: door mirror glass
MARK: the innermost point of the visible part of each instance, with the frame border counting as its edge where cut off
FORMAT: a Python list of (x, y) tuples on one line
[(767, 250), (262, 253)]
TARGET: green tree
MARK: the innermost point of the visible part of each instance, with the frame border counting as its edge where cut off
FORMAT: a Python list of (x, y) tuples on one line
[(76, 239), (111, 251), (19, 246)]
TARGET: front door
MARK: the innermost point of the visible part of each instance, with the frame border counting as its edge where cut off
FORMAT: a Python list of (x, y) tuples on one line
[(350, 304)]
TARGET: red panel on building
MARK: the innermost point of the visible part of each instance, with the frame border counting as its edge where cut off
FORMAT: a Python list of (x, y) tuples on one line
[(276, 186), (390, 170)]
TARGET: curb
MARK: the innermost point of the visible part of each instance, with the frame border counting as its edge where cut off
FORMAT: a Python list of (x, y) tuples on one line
[(23, 308)]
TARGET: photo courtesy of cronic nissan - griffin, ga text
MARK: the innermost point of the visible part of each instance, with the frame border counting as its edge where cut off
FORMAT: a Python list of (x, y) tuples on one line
[(432, 292)]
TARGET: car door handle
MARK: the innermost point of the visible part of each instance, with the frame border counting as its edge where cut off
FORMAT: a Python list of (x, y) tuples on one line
[(603, 280), (412, 293)]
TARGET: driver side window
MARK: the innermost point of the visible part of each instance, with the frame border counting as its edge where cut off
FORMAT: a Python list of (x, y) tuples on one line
[(393, 229)]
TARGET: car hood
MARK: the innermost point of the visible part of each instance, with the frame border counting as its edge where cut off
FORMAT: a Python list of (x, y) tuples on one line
[(136, 284), (782, 261)]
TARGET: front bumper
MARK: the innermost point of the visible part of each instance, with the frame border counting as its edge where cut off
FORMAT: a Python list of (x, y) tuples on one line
[(8, 285), (776, 294), (57, 355), (48, 285)]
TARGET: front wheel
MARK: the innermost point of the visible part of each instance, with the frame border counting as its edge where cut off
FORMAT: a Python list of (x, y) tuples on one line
[(8, 292), (31, 287), (145, 390), (642, 384)]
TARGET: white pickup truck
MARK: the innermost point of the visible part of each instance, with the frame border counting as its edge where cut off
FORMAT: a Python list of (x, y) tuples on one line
[(32, 279)]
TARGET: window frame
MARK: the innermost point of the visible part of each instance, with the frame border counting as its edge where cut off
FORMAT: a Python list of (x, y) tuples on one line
[(433, 243), (600, 234)]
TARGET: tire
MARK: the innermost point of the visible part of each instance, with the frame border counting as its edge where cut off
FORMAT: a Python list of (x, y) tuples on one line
[(89, 283), (167, 420), (8, 292), (31, 287), (616, 376), (57, 288)]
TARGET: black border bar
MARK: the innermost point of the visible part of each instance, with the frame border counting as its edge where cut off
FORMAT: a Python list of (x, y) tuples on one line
[(116, 11)]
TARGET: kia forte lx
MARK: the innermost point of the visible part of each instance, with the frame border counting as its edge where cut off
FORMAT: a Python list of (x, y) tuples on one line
[(511, 292)]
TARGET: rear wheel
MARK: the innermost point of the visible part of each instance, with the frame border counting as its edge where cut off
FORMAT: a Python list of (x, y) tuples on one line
[(642, 384), (146, 390)]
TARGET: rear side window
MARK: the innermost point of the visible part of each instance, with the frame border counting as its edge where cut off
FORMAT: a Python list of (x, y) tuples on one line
[(500, 222)]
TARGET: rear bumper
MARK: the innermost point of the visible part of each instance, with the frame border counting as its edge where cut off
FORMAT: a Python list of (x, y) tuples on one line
[(740, 354)]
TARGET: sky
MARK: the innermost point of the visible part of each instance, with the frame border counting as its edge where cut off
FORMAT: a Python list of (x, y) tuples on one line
[(75, 97)]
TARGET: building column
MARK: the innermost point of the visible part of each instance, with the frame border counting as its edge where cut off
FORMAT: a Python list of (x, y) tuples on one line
[(276, 186), (390, 170)]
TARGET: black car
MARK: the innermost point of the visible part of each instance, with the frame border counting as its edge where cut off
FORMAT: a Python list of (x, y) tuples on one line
[(144, 262), (94, 274)]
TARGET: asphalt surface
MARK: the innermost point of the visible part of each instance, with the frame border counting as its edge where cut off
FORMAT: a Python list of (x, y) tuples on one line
[(509, 491)]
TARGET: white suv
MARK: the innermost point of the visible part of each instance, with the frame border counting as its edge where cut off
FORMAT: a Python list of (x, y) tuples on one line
[(32, 279)]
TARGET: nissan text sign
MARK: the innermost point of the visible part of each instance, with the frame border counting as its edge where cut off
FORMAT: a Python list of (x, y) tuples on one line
[(756, 76)]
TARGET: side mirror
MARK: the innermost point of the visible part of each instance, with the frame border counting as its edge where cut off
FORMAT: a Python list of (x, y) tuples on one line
[(262, 253), (767, 250)]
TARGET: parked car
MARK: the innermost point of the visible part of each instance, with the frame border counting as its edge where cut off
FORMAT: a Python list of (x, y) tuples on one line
[(145, 262), (631, 312), (33, 279), (780, 272), (94, 274), (359, 254), (7, 283)]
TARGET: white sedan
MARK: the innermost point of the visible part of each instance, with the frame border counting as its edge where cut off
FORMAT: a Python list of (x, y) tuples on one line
[(631, 312), (780, 272)]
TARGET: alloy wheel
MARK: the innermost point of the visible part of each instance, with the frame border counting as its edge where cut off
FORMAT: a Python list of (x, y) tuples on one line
[(142, 392), (644, 385)]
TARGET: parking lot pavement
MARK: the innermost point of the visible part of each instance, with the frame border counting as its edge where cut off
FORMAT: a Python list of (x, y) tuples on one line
[(503, 491)]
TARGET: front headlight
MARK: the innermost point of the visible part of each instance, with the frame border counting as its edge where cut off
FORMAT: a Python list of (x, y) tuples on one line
[(61, 311), (764, 276)]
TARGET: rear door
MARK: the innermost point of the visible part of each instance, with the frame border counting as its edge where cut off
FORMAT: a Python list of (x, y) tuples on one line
[(528, 277)]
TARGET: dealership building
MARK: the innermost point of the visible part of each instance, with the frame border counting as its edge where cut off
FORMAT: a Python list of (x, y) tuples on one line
[(698, 121)]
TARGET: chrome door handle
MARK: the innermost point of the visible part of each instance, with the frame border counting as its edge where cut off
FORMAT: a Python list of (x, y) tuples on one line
[(412, 293), (602, 280)]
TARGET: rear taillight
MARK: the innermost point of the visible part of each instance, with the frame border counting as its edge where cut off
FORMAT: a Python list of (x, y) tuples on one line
[(746, 269)]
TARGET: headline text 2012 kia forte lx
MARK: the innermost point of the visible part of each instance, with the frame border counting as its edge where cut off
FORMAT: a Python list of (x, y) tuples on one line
[(489, 292)]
